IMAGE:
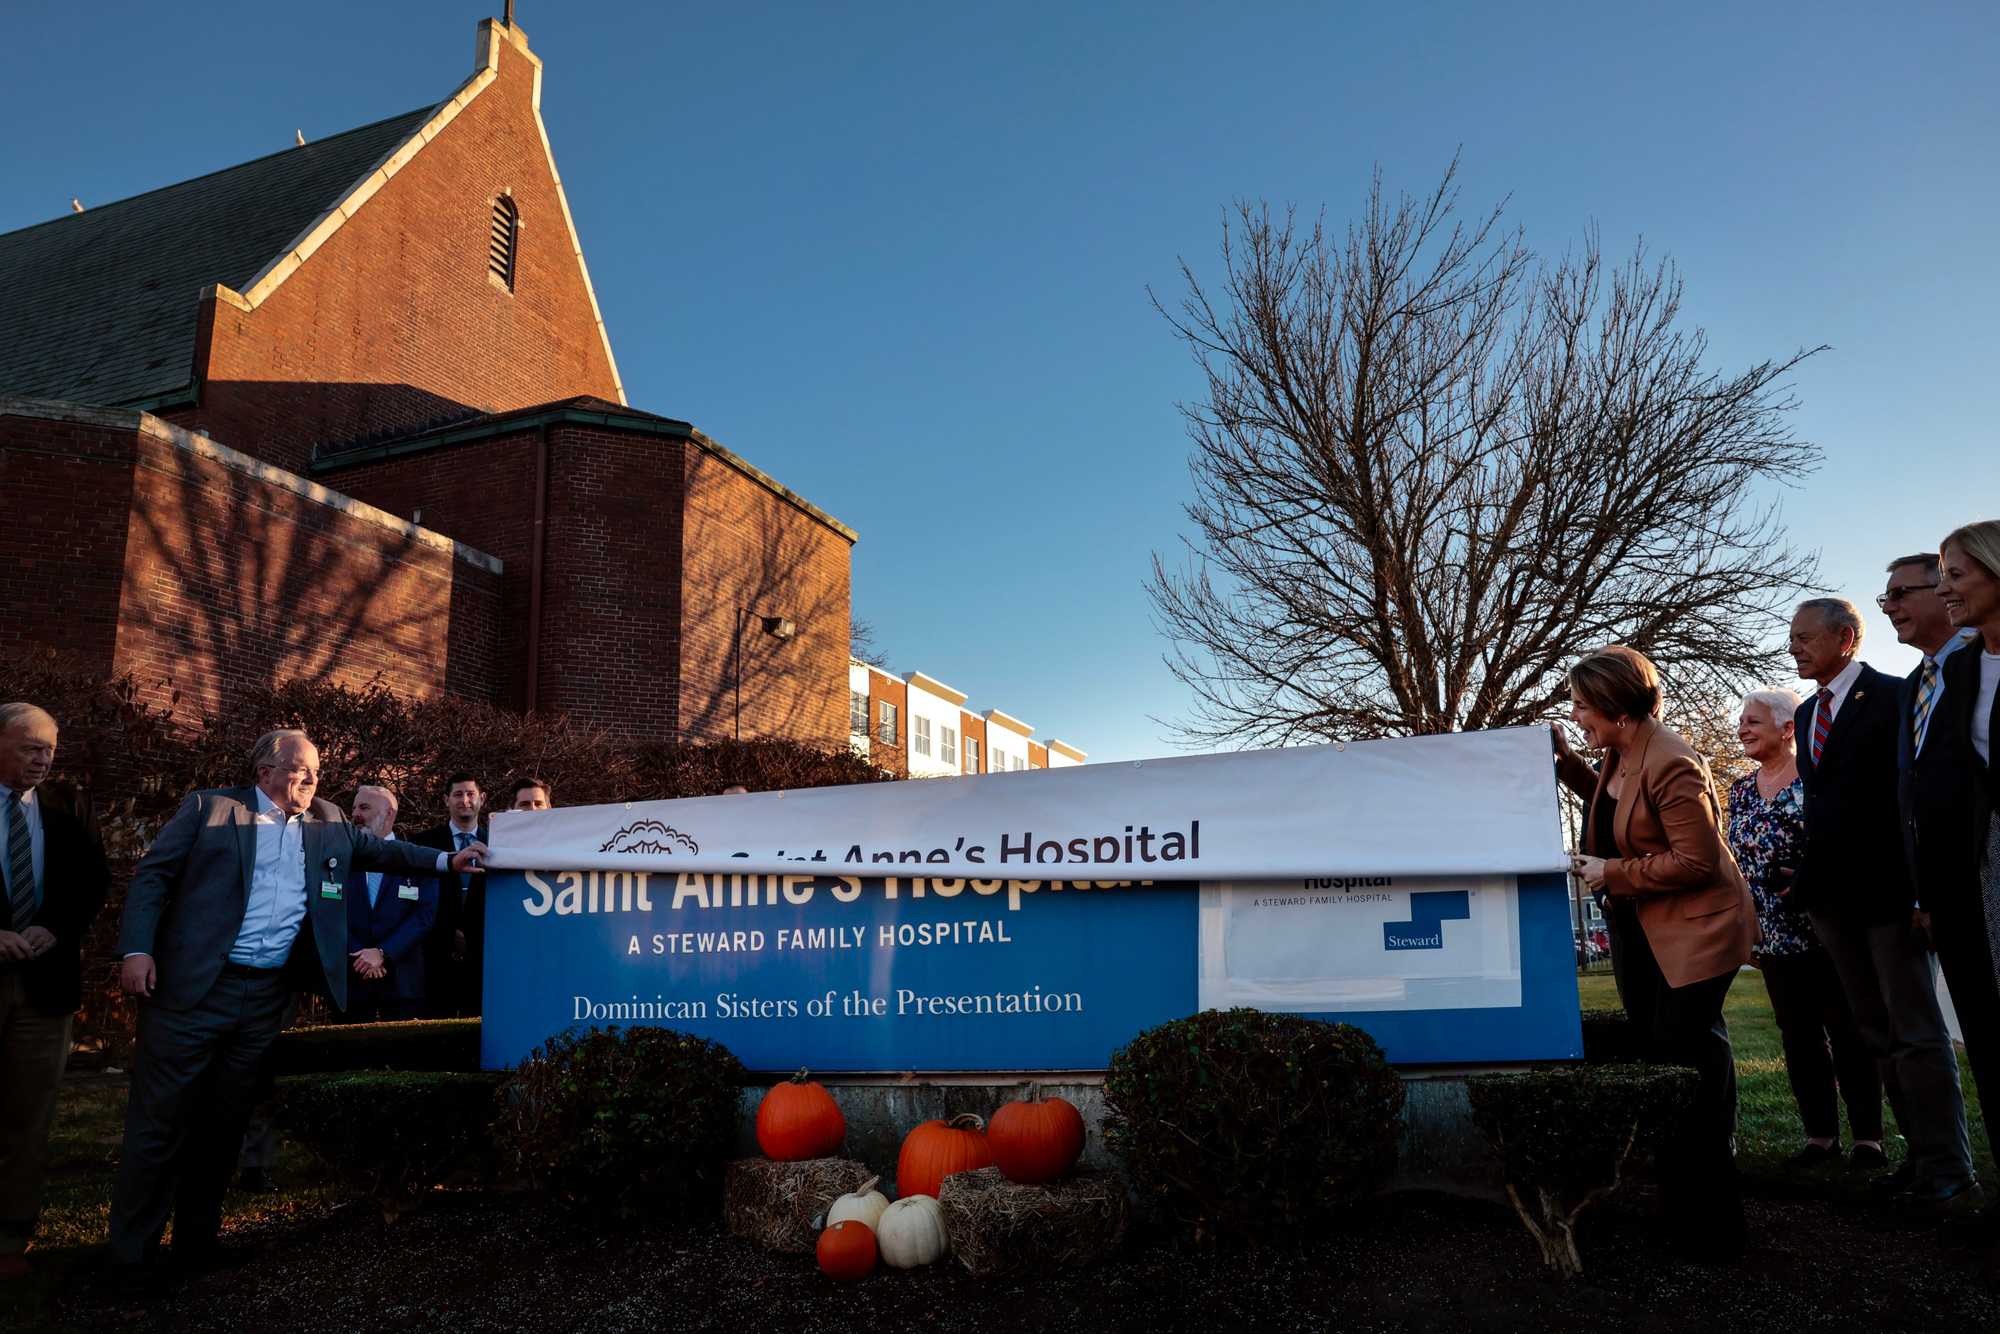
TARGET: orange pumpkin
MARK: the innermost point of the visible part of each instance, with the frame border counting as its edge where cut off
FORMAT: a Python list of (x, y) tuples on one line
[(798, 1120), (1036, 1139), (847, 1251), (936, 1149)]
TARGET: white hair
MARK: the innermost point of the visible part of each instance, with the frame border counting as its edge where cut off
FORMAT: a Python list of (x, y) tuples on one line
[(23, 712), (1782, 705), (388, 797), (266, 750), (1839, 614)]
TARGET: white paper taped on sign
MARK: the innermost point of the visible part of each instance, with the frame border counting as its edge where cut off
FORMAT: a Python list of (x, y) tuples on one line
[(1335, 944)]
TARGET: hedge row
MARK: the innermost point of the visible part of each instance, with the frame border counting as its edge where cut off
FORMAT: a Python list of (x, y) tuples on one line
[(129, 754)]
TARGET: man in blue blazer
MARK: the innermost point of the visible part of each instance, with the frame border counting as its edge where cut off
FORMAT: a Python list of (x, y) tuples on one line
[(241, 898), (388, 916)]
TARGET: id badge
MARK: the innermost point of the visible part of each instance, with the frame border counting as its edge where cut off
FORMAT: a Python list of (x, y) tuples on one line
[(329, 889), (408, 892)]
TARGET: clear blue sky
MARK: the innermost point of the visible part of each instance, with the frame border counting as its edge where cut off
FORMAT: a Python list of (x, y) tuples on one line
[(898, 255)]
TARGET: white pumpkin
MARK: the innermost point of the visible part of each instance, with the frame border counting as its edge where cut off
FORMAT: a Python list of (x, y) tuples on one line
[(864, 1203), (911, 1232)]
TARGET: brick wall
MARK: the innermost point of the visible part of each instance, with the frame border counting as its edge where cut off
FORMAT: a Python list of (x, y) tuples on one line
[(393, 324), (893, 756), (655, 545), (611, 610), (68, 486), (481, 492), (233, 579), (972, 727), (748, 552), (149, 551)]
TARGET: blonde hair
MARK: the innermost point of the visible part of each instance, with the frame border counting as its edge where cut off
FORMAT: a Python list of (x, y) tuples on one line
[(1981, 541), (1618, 682)]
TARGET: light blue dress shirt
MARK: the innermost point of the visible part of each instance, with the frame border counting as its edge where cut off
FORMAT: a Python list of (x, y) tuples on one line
[(375, 877), (33, 811), (277, 903)]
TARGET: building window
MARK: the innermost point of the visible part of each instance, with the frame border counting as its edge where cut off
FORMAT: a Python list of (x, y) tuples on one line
[(1018, 765), (857, 713), (885, 726), (920, 735), (972, 755), (948, 745), (504, 242)]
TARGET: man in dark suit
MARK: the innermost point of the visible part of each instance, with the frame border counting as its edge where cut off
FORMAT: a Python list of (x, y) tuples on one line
[(52, 882), (241, 897), (1939, 797), (454, 960), (388, 918), (1855, 883)]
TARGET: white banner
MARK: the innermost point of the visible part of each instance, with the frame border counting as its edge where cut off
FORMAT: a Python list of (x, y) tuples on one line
[(1467, 804), (1351, 943)]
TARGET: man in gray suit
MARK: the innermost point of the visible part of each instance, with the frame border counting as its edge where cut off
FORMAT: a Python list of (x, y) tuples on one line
[(241, 883)]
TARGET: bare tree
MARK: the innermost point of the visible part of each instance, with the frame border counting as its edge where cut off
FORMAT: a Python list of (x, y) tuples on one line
[(1430, 470)]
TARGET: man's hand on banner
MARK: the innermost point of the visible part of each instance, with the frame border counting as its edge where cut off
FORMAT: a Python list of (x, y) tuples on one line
[(469, 858)]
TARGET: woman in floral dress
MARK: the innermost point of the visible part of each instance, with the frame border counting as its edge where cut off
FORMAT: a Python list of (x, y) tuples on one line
[(1824, 1057)]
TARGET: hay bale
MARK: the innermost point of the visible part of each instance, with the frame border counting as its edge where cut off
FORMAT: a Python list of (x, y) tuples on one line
[(997, 1225), (777, 1204)]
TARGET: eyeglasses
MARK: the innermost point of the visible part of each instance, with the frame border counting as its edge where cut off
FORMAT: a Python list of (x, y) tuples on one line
[(1897, 592), (299, 771)]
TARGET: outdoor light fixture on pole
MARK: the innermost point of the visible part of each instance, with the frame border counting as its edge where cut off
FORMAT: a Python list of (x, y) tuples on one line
[(778, 627)]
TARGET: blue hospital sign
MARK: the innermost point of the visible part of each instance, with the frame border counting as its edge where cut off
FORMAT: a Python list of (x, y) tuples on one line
[(896, 974), (1040, 921)]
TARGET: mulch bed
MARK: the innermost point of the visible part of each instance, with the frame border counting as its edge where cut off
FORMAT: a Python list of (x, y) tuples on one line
[(1409, 1262)]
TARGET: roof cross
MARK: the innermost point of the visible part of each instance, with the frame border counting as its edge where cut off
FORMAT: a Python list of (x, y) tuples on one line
[(508, 18)]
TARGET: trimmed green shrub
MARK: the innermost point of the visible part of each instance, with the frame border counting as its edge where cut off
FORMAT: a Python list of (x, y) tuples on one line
[(1564, 1137), (1609, 1038), (418, 1044), (390, 1133), (1240, 1123), (624, 1120)]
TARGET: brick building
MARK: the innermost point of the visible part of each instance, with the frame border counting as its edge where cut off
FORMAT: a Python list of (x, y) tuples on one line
[(917, 726), (351, 410)]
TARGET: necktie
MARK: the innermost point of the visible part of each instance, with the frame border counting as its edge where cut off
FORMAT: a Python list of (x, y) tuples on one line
[(21, 894), (1927, 693), (1822, 723)]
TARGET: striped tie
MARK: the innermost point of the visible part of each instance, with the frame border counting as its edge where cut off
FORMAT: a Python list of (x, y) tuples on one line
[(1927, 693), (20, 864), (1822, 723)]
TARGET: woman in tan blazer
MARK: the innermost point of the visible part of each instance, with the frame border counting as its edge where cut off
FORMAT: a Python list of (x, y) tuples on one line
[(1681, 919)]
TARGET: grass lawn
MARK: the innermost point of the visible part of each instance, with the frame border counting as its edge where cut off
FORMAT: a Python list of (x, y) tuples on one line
[(1767, 1120)]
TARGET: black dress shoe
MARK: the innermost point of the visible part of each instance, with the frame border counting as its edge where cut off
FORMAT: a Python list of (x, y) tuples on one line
[(1896, 1182), (1962, 1199), (1867, 1158), (1814, 1155)]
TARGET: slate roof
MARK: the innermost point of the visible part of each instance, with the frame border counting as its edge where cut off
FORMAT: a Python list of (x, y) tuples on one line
[(99, 307)]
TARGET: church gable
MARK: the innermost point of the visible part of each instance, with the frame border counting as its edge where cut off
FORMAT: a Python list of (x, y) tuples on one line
[(410, 304)]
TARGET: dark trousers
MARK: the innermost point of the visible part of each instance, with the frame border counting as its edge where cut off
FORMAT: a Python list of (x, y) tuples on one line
[(196, 1076), (1886, 971), (34, 1049), (1964, 951), (1825, 1058), (1699, 1190)]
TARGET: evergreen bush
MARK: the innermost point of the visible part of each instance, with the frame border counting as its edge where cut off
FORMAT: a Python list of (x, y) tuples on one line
[(624, 1120), (1241, 1123), (391, 1134)]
